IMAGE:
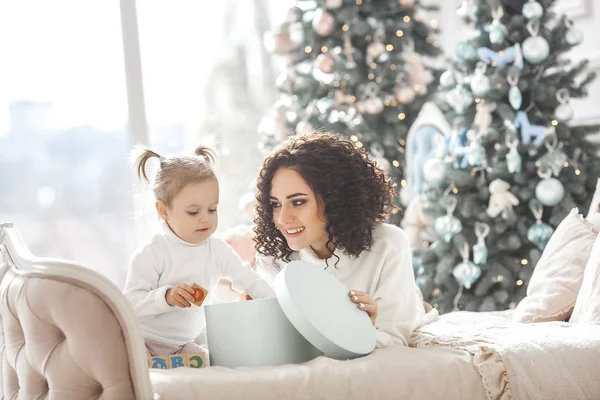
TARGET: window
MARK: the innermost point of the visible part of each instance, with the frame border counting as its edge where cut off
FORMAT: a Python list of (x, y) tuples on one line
[(64, 178), (64, 138)]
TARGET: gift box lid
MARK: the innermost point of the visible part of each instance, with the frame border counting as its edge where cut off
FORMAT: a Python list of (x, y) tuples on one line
[(319, 307)]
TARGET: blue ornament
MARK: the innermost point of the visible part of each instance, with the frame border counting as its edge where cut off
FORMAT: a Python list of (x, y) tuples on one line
[(447, 227), (535, 49), (539, 234), (468, 10), (434, 171), (549, 192), (447, 79), (480, 85), (466, 273), (529, 131), (515, 97), (475, 153), (506, 56), (573, 36), (480, 250), (459, 98), (532, 10), (554, 160), (465, 50), (496, 32), (514, 161), (457, 146)]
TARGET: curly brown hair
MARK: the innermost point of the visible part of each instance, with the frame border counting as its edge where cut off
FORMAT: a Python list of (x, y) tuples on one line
[(356, 193)]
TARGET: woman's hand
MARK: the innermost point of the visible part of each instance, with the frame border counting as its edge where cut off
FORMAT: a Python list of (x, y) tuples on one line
[(180, 295), (365, 303)]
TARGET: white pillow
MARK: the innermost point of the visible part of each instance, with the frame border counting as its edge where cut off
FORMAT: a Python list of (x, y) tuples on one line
[(593, 214), (557, 277), (587, 307)]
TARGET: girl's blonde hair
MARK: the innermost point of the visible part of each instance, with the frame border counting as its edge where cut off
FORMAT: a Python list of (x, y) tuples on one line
[(175, 172)]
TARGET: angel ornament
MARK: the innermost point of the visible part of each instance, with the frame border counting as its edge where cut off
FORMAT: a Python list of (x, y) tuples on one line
[(501, 199)]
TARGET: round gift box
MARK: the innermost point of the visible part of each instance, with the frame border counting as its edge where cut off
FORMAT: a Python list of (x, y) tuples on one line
[(311, 315)]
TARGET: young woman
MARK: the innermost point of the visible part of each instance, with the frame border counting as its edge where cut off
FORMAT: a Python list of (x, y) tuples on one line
[(321, 200)]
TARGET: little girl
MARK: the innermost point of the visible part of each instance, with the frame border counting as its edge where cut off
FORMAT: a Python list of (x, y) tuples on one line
[(184, 252)]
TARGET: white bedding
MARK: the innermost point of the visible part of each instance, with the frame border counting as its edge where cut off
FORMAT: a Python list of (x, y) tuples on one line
[(461, 356), (548, 360), (390, 373)]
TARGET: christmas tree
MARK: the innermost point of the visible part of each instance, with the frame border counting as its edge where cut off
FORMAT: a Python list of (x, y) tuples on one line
[(515, 163), (359, 68)]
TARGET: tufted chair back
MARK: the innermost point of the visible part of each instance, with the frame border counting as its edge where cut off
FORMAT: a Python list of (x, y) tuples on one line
[(66, 332)]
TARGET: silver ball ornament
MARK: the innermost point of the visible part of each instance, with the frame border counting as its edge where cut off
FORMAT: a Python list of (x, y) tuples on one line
[(480, 85), (535, 49), (434, 171), (563, 112), (550, 192), (532, 10)]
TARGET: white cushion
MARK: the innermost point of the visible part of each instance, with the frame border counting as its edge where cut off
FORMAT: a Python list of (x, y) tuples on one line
[(593, 214), (557, 277), (587, 307)]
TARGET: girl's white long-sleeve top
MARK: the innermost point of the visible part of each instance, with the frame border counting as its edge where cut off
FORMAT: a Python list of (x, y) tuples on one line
[(384, 272), (167, 261)]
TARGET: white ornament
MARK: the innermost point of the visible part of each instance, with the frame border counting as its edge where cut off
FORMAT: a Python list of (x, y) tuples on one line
[(447, 79), (468, 9), (501, 199), (434, 171), (535, 48), (549, 191), (563, 112), (459, 98), (573, 36), (480, 83), (333, 4), (483, 117), (405, 94), (532, 10)]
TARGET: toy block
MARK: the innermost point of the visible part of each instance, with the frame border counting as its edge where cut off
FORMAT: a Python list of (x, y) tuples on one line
[(199, 294), (158, 362), (176, 361), (196, 360)]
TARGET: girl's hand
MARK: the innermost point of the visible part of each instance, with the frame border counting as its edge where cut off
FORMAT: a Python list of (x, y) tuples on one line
[(180, 296), (365, 303)]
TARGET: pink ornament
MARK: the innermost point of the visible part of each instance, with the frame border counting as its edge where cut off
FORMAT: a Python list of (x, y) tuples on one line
[(325, 62), (375, 50), (304, 127), (273, 124), (419, 15), (418, 75), (405, 94), (279, 41), (383, 163), (374, 105), (406, 3), (333, 4), (361, 107), (323, 23)]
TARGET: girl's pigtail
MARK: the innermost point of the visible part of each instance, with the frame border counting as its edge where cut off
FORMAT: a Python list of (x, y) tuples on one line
[(206, 153), (143, 155)]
